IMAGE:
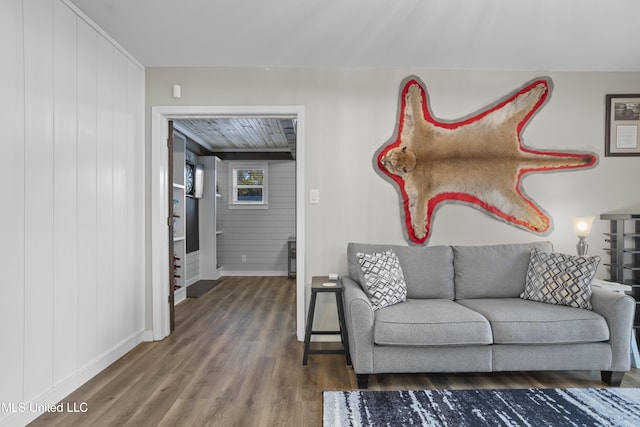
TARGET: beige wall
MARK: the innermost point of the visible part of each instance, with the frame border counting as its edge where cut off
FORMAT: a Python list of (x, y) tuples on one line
[(349, 113)]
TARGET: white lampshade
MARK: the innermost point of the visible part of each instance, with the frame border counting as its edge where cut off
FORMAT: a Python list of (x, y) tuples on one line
[(582, 225)]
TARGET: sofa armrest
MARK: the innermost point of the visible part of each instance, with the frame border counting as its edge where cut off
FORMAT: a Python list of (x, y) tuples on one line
[(618, 310), (359, 318)]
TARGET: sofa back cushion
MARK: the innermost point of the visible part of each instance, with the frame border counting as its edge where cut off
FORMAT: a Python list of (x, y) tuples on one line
[(493, 271), (428, 271)]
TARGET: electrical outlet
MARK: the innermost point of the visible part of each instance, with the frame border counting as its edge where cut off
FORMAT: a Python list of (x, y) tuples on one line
[(244, 258)]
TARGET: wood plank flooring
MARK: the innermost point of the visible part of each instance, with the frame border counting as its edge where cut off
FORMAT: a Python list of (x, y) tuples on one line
[(234, 361)]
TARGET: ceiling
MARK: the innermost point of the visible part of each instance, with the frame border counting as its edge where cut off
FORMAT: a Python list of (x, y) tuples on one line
[(235, 138), (541, 35), (548, 35)]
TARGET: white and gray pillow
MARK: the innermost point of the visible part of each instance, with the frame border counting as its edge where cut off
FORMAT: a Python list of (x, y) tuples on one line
[(382, 278), (561, 279)]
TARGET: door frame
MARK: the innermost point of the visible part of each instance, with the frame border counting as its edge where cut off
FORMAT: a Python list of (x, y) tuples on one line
[(159, 176), (171, 228)]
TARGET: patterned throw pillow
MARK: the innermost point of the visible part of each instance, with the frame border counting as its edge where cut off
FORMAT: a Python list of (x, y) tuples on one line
[(560, 279), (383, 278)]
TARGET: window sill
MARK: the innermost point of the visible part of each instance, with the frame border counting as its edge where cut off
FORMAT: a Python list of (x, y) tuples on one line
[(247, 206)]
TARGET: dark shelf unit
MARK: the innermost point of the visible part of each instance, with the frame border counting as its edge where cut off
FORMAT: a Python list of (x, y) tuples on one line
[(624, 253)]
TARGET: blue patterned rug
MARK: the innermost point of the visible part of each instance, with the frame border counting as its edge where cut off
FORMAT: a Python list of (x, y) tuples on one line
[(508, 407)]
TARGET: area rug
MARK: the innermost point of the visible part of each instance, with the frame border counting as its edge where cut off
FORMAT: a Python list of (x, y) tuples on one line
[(505, 407), (200, 288)]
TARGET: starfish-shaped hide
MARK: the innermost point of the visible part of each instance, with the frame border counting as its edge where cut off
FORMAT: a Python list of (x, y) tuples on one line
[(478, 161)]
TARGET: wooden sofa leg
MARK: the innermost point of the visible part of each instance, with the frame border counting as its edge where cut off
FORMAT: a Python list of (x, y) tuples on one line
[(612, 378), (363, 380)]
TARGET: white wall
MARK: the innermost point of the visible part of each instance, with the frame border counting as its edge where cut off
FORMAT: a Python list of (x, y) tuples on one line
[(72, 166), (349, 113)]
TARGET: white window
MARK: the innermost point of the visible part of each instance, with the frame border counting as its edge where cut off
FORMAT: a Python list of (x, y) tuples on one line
[(248, 182)]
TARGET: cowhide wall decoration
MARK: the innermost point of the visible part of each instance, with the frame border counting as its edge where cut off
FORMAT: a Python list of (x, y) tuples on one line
[(478, 160)]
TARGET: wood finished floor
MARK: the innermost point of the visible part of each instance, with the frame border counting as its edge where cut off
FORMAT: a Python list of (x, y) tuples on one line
[(234, 361)]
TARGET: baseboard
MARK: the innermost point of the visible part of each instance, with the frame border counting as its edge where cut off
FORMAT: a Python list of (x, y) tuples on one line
[(147, 336), (22, 413), (254, 273), (192, 280)]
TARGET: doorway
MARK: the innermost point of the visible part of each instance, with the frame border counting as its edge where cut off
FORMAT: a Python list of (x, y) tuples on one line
[(159, 175)]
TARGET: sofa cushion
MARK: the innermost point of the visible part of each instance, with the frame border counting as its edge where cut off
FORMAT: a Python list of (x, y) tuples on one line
[(518, 321), (428, 271), (382, 278), (492, 271), (560, 279), (430, 322)]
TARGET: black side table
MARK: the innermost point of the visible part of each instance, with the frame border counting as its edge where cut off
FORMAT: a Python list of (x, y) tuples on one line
[(317, 285)]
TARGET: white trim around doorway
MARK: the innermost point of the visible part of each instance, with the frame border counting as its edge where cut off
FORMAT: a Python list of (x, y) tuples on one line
[(159, 278)]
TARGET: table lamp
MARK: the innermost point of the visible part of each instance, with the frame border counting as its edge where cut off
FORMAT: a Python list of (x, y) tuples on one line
[(582, 228)]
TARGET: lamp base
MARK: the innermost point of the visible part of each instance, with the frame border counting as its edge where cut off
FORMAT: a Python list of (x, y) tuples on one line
[(582, 247)]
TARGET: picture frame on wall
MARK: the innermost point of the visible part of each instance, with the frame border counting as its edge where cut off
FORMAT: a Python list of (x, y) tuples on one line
[(622, 125)]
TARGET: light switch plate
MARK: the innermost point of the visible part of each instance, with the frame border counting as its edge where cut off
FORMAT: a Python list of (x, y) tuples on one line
[(314, 195)]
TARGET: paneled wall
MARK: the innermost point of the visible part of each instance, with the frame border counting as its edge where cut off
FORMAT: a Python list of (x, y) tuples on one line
[(192, 268), (260, 234), (72, 166)]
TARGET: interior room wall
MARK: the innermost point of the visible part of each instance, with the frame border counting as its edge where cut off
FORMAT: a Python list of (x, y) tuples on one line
[(259, 234), (349, 113), (352, 112), (72, 163)]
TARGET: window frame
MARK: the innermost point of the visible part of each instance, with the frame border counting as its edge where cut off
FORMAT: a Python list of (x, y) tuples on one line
[(234, 203)]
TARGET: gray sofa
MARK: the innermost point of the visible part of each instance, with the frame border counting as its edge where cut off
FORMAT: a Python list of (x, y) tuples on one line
[(463, 313)]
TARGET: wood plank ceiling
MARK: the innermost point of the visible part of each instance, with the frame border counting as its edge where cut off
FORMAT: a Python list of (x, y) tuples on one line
[(244, 138)]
